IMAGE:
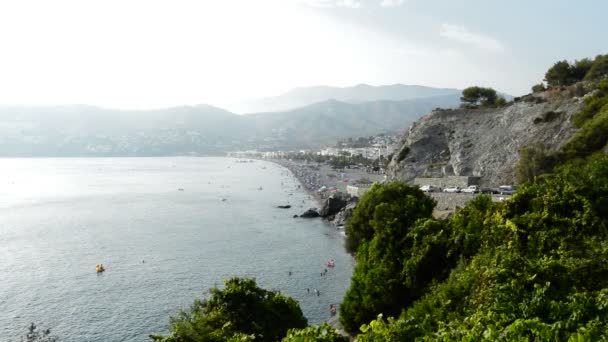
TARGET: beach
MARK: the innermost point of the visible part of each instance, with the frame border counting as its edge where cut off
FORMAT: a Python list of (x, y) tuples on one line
[(318, 176)]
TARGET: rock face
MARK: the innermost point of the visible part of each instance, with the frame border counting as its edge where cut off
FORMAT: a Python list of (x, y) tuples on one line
[(483, 142), (310, 213), (334, 204), (343, 215)]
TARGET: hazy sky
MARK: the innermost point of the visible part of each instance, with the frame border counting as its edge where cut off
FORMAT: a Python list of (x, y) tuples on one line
[(151, 53)]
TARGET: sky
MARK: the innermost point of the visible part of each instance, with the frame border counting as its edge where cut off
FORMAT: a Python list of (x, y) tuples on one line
[(141, 54)]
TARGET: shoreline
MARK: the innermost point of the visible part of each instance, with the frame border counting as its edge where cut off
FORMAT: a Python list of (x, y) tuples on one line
[(297, 174)]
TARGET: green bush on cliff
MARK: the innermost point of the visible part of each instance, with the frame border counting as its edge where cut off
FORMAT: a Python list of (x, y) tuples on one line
[(530, 268), (319, 333), (240, 312)]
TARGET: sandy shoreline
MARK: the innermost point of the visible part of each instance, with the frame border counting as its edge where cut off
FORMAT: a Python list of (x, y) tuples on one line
[(313, 176)]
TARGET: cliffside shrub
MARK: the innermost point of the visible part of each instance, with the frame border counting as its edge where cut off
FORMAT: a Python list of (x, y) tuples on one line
[(319, 333), (538, 88), (563, 73), (388, 230), (405, 150), (534, 269), (547, 117), (560, 74), (534, 161), (475, 96), (240, 312), (404, 203), (599, 68)]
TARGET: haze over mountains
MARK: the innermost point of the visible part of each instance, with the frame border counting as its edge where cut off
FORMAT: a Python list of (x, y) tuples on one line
[(304, 96), (78, 130)]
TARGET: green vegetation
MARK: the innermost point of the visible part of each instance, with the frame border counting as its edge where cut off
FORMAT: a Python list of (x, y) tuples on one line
[(473, 97), (538, 88), (240, 312), (384, 231), (530, 268), (405, 150), (563, 73), (321, 333)]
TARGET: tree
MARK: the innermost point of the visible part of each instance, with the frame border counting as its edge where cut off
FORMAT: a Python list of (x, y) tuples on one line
[(240, 312), (478, 96), (538, 88), (599, 68), (392, 267), (408, 205), (580, 68), (560, 74)]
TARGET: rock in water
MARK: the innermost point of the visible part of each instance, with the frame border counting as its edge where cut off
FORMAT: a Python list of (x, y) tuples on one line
[(333, 205), (310, 213)]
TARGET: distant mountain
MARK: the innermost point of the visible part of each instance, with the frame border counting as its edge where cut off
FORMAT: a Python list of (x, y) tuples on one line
[(300, 97), (328, 121), (198, 130)]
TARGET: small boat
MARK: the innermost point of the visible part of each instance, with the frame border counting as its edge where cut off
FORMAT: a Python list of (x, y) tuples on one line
[(99, 268), (180, 189)]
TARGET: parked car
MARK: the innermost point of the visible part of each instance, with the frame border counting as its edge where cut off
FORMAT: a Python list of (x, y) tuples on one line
[(452, 189), (490, 191), (429, 188), (471, 189), (507, 189)]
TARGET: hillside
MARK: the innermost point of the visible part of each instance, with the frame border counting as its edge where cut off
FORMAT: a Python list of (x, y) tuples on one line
[(79, 130), (484, 142), (328, 121), (304, 96)]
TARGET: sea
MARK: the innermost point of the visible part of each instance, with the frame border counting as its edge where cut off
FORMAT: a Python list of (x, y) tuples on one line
[(166, 230)]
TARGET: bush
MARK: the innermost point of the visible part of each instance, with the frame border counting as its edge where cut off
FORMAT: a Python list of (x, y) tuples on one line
[(321, 333), (240, 312), (478, 96), (538, 88), (560, 74), (534, 268), (405, 150), (599, 68), (406, 205)]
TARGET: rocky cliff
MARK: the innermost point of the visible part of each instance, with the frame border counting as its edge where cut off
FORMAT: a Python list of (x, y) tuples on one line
[(484, 142)]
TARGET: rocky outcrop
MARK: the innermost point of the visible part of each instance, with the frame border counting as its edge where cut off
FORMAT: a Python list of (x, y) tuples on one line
[(310, 213), (340, 218), (334, 204), (483, 142)]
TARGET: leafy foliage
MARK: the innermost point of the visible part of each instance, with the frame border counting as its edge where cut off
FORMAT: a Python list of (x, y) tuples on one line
[(403, 203), (385, 232), (320, 333), (478, 96), (560, 74), (530, 268), (563, 73), (405, 150), (538, 88), (240, 312)]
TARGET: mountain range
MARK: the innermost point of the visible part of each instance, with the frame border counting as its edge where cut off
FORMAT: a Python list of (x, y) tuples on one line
[(303, 96), (79, 130)]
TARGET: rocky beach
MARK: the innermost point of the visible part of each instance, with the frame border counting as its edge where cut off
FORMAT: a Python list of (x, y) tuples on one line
[(328, 188)]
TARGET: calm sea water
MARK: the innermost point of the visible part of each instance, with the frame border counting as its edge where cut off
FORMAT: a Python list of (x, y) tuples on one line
[(61, 217)]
